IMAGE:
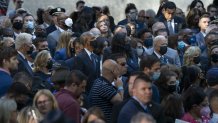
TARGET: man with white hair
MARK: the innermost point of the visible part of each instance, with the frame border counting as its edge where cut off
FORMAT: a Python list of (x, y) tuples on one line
[(160, 49), (24, 47)]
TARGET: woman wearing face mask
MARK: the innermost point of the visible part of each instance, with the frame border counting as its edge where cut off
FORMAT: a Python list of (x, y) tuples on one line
[(166, 83), (214, 56), (196, 105), (42, 65), (192, 56)]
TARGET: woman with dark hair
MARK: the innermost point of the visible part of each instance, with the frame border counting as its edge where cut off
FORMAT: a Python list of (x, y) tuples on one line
[(167, 83), (192, 19), (173, 108), (106, 11), (85, 21), (39, 14), (197, 4), (121, 44), (196, 105), (192, 75)]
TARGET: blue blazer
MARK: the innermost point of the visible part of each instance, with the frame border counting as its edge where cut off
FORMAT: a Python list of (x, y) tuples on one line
[(83, 63), (50, 29), (171, 54), (132, 107), (200, 41), (23, 66), (61, 54), (52, 40)]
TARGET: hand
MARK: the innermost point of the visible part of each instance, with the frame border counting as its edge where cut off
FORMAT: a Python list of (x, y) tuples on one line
[(118, 82)]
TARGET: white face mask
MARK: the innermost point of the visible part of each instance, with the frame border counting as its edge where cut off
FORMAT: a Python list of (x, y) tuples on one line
[(139, 51)]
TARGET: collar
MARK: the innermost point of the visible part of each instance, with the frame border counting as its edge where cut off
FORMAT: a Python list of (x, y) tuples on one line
[(69, 92), (204, 34), (61, 30), (1, 69), (215, 115), (88, 52), (22, 55), (143, 106), (157, 54)]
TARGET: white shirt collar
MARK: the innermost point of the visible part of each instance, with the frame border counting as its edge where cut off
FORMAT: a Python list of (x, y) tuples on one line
[(157, 54), (204, 34), (88, 52), (21, 54)]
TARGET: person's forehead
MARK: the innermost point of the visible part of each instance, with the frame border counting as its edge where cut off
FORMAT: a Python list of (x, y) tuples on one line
[(132, 10), (122, 59), (170, 10)]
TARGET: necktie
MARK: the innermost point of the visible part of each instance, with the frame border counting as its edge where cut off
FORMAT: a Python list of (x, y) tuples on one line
[(170, 27), (93, 59)]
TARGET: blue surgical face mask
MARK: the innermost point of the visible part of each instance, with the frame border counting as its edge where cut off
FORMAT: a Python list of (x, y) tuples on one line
[(155, 76), (29, 24)]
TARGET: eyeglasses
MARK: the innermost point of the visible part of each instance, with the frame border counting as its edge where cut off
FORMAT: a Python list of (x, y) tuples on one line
[(123, 64), (45, 102)]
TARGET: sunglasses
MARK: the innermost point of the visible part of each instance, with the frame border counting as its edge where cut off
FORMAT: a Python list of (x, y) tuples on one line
[(123, 64)]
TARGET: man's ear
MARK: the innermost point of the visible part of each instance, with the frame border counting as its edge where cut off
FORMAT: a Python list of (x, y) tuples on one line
[(163, 10)]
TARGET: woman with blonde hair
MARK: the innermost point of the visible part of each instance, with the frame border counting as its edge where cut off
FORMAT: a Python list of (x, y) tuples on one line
[(192, 56), (45, 101), (63, 51), (29, 115), (8, 111), (43, 65)]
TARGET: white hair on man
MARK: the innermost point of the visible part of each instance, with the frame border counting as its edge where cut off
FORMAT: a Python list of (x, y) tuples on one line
[(157, 26), (21, 39), (158, 38), (142, 118)]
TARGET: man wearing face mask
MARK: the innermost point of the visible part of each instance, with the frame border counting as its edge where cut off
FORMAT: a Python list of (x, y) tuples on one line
[(214, 56), (86, 61), (131, 13), (24, 47), (146, 36), (150, 65), (64, 24), (40, 44), (29, 24), (160, 49), (17, 24)]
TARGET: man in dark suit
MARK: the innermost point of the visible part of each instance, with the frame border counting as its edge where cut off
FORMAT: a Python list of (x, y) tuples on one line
[(86, 61), (203, 24), (160, 50), (141, 102), (23, 45), (54, 13), (54, 36), (173, 23)]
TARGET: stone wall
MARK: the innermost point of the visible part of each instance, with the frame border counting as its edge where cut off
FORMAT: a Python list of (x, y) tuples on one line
[(117, 7)]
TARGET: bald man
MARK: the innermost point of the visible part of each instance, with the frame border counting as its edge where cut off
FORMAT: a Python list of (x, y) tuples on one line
[(103, 94)]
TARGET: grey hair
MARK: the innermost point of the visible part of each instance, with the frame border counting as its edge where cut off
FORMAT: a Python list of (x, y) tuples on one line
[(211, 27), (139, 117), (22, 38), (7, 106), (158, 38), (157, 26)]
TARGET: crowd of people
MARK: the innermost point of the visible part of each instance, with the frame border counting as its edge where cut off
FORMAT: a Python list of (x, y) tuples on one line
[(83, 68)]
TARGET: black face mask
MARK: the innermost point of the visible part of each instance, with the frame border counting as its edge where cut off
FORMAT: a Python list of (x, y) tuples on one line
[(214, 58), (171, 88), (43, 49), (163, 50), (196, 60), (94, 44), (30, 51), (49, 65), (18, 25)]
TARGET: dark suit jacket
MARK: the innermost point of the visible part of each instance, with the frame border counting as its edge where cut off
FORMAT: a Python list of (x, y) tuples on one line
[(179, 23), (23, 66), (166, 58), (83, 63), (132, 62), (50, 29), (132, 107)]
